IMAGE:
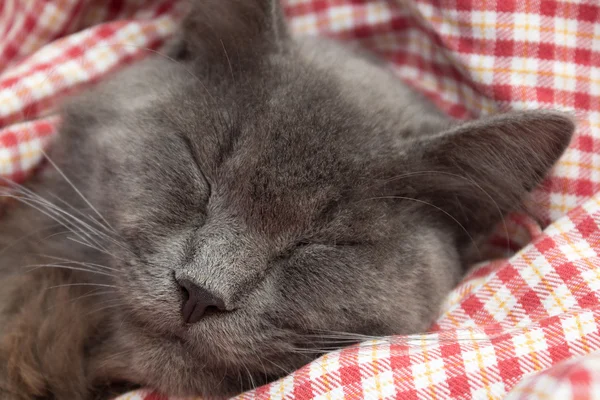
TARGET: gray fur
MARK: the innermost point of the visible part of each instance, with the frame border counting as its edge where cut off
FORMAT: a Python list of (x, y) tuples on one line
[(301, 182)]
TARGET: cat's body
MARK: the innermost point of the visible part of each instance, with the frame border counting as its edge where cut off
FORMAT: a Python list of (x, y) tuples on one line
[(302, 187)]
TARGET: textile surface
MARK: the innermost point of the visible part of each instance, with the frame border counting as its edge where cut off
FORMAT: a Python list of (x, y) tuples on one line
[(522, 326)]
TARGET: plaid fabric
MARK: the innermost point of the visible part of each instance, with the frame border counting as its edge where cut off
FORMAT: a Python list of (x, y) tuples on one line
[(526, 326), (577, 378), (48, 49)]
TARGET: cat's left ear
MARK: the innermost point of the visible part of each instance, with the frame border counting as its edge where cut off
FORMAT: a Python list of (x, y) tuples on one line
[(480, 170), (231, 31)]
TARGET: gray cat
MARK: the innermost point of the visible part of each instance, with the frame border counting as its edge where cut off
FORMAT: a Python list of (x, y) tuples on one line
[(241, 208)]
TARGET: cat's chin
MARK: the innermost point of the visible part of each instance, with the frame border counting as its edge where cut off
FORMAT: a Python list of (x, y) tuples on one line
[(168, 365), (178, 362)]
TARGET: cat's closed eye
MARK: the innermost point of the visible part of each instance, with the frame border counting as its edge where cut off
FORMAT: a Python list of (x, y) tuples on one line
[(201, 167), (332, 243)]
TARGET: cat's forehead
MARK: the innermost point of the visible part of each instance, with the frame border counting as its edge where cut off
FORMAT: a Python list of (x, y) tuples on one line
[(287, 120), (278, 145), (281, 170)]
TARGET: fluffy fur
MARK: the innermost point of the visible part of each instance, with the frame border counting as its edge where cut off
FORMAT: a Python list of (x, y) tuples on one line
[(299, 181)]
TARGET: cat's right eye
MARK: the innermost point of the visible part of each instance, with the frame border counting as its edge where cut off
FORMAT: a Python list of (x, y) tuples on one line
[(302, 243), (197, 161), (340, 243)]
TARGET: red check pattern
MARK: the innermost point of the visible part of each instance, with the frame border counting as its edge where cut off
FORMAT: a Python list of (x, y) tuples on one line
[(523, 326), (575, 378)]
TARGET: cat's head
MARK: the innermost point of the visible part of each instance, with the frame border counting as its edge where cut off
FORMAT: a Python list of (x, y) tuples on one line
[(270, 194)]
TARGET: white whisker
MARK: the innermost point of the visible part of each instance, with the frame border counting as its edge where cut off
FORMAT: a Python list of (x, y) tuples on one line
[(30, 234), (50, 214), (83, 284), (34, 267), (66, 260), (433, 206), (94, 247), (77, 190)]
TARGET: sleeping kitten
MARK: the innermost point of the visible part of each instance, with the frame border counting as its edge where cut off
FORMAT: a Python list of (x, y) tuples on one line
[(240, 205)]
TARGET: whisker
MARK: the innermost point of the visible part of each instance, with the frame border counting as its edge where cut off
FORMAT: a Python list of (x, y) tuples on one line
[(35, 267), (249, 375), (24, 190), (56, 234), (96, 292), (437, 208), (91, 294), (82, 284), (433, 337), (50, 214), (77, 190), (468, 179), (65, 218), (80, 212), (285, 371), (240, 379), (260, 359), (341, 333), (52, 211), (224, 376), (90, 229), (66, 260), (103, 308), (24, 237), (228, 60), (83, 243), (84, 229), (313, 352)]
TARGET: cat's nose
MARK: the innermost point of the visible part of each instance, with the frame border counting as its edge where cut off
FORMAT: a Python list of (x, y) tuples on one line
[(197, 301)]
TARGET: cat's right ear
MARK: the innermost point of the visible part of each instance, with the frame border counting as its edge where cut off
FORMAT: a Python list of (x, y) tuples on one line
[(480, 170), (230, 32)]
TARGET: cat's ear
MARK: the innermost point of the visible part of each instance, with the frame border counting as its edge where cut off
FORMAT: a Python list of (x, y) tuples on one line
[(230, 31), (482, 169)]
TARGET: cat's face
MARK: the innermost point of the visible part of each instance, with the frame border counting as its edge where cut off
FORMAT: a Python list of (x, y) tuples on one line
[(249, 171)]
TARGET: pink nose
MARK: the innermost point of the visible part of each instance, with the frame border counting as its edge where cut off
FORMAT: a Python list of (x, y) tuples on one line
[(197, 301)]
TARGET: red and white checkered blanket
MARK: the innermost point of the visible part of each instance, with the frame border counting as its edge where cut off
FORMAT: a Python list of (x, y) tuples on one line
[(522, 327)]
